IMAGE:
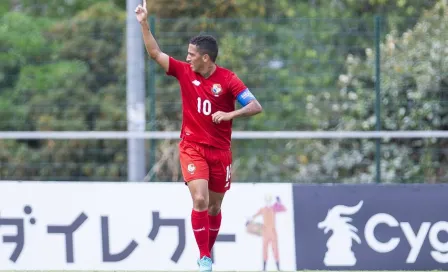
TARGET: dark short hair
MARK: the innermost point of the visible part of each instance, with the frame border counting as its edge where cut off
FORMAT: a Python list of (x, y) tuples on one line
[(206, 45)]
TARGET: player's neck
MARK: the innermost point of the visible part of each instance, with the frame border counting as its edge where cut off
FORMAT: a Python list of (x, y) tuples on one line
[(208, 71)]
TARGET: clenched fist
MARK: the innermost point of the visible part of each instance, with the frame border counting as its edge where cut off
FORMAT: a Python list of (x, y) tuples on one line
[(220, 116)]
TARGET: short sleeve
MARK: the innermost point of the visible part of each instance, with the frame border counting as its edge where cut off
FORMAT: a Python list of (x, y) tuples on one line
[(240, 91), (175, 67), (236, 86)]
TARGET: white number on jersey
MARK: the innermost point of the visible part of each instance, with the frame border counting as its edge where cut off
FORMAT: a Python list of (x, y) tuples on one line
[(204, 106)]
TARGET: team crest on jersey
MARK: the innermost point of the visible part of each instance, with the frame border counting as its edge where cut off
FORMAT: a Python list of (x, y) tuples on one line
[(216, 89)]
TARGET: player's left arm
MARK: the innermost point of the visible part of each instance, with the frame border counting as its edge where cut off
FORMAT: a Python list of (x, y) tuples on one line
[(250, 105)]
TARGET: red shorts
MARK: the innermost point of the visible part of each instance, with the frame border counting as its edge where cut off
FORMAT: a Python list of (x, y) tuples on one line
[(200, 161)]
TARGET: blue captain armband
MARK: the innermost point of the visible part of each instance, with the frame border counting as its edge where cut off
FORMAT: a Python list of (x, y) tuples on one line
[(245, 97)]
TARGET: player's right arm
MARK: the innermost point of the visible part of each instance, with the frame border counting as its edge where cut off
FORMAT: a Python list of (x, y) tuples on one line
[(151, 45)]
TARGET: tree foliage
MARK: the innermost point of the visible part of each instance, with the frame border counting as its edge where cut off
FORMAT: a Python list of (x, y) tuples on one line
[(309, 62), (414, 96), (67, 75)]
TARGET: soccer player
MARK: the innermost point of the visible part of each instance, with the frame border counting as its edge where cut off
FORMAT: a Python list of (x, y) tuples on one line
[(208, 94)]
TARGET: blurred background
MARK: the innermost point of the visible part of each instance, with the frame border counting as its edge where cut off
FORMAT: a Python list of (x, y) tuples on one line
[(314, 65)]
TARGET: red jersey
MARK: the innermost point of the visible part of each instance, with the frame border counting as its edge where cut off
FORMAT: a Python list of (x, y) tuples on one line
[(201, 97)]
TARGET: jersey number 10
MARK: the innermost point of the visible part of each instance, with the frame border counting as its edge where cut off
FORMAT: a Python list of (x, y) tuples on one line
[(204, 106)]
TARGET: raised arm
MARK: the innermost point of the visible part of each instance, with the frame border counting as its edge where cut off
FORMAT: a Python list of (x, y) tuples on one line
[(150, 42)]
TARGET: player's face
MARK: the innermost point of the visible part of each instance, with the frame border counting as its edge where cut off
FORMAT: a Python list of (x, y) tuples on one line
[(194, 58)]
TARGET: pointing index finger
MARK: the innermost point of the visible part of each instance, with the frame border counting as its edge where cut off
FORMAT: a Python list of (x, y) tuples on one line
[(144, 4)]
